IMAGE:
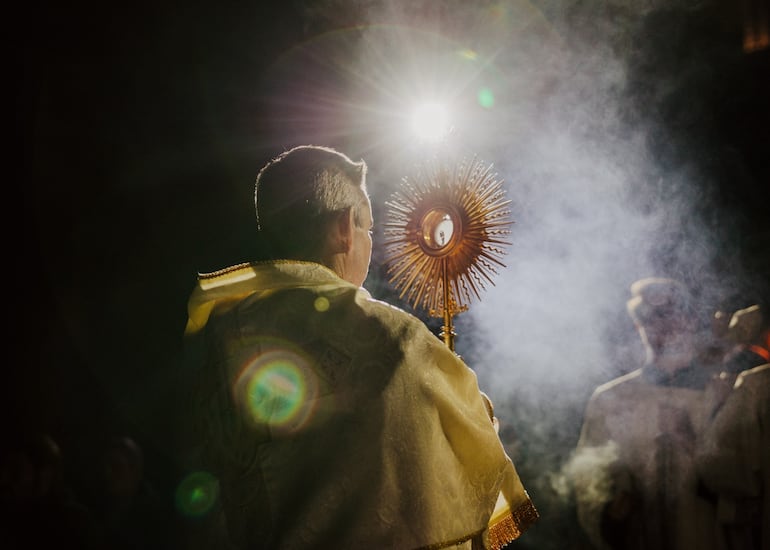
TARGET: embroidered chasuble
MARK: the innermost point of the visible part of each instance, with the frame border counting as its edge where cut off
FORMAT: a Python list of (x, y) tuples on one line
[(334, 420)]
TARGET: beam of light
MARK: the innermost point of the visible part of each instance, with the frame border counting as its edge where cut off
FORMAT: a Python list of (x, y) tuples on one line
[(359, 87), (197, 494)]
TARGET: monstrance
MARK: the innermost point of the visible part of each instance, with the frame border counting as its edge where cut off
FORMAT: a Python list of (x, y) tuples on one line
[(445, 234)]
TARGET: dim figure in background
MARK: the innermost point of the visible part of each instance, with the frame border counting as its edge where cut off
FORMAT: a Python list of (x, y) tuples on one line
[(636, 487), (747, 345), (38, 509), (734, 453), (130, 512), (749, 333), (734, 461), (329, 418)]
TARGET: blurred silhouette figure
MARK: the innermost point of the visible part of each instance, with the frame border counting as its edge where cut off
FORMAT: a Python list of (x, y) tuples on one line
[(38, 509), (734, 453), (633, 469), (747, 336), (733, 461), (130, 513)]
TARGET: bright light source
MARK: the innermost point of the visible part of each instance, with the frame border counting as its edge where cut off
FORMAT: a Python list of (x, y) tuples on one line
[(430, 121)]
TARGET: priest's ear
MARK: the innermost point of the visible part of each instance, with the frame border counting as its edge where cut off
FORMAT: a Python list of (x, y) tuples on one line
[(341, 231)]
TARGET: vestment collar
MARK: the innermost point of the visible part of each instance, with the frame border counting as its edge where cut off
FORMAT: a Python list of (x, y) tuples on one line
[(239, 281)]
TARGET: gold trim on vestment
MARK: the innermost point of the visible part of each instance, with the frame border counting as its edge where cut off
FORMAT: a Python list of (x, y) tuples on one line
[(512, 525)]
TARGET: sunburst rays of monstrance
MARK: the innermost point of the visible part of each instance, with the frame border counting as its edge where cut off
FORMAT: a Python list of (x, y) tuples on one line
[(445, 235)]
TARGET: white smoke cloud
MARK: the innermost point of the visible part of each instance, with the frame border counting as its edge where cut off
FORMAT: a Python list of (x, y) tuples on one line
[(603, 192)]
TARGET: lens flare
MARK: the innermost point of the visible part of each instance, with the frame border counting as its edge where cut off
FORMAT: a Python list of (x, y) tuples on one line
[(486, 98), (468, 54), (278, 388), (197, 494), (276, 393), (321, 304), (430, 121)]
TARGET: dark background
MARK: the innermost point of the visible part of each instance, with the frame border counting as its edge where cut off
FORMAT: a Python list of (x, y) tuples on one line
[(140, 131)]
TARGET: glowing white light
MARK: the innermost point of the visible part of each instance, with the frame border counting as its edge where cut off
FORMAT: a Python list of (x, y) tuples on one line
[(430, 121)]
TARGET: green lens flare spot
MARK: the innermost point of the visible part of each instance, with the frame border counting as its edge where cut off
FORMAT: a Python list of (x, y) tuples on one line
[(486, 98), (197, 494)]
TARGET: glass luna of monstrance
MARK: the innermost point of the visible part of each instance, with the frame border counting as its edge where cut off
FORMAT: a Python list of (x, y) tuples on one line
[(444, 236)]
